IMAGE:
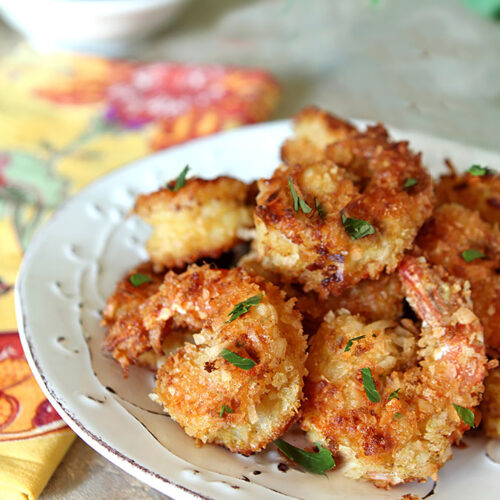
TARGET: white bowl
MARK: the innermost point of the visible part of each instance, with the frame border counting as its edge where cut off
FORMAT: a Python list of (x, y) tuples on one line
[(110, 27)]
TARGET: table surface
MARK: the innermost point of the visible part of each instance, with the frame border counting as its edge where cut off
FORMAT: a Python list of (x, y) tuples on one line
[(426, 65)]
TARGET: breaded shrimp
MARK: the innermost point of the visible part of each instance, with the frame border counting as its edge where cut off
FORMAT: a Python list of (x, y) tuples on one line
[(406, 435), (481, 193), (373, 299), (214, 400), (126, 338), (314, 130), (204, 218), (452, 230), (363, 179), (490, 407)]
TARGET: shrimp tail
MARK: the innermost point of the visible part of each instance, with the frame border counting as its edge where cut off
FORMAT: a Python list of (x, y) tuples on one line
[(431, 292)]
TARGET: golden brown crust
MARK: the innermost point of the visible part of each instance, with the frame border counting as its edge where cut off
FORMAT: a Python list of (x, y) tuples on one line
[(373, 299), (314, 130), (481, 193), (200, 220), (127, 338), (452, 230), (195, 382), (363, 178), (405, 439)]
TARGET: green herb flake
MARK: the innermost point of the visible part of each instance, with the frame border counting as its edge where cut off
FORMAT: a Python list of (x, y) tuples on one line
[(138, 279), (318, 462), (410, 182), (349, 343), (479, 171), (465, 414), (224, 409), (398, 415), (237, 360), (371, 392), (356, 228), (319, 208), (180, 182), (243, 307), (297, 200), (394, 394), (471, 254)]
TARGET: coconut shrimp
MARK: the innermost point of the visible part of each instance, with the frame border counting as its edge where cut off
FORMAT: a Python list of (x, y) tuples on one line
[(477, 192), (373, 299), (453, 230), (126, 338), (215, 399), (355, 216), (203, 218), (314, 130), (404, 432)]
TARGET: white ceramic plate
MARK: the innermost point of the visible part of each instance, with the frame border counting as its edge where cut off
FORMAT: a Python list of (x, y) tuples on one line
[(73, 264)]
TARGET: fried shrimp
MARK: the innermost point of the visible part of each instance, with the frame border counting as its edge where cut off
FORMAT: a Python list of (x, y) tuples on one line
[(240, 384), (359, 217), (126, 338), (373, 299), (477, 192), (204, 218), (384, 406), (314, 130), (453, 230)]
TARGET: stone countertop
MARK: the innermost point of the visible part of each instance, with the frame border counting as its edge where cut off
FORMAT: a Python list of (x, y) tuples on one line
[(427, 65)]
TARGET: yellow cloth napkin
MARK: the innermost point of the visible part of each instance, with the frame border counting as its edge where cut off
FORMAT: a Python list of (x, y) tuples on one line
[(65, 120)]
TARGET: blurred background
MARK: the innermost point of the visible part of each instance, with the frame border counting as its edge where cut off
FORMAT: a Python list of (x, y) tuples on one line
[(428, 65)]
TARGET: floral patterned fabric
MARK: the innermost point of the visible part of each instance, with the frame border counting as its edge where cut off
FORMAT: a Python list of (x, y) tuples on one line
[(65, 120)]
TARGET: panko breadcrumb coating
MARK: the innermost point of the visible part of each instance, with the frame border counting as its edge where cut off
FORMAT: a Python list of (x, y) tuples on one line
[(363, 178), (314, 130), (373, 299), (197, 385), (204, 218), (452, 230), (126, 338), (407, 436), (481, 193)]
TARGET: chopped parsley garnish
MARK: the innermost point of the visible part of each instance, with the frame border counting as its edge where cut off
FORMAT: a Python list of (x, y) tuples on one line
[(224, 409), (471, 254), (138, 279), (479, 171), (371, 392), (410, 182), (318, 462), (466, 415), (237, 360), (356, 228), (180, 182), (394, 394), (398, 415), (349, 343), (319, 208), (297, 200), (243, 307)]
